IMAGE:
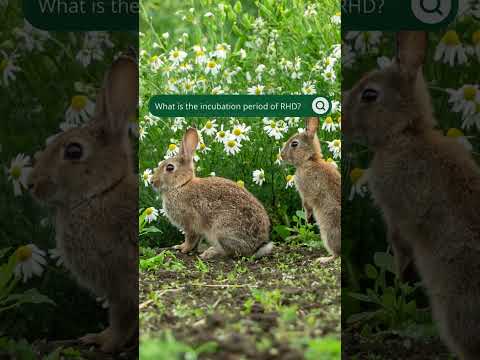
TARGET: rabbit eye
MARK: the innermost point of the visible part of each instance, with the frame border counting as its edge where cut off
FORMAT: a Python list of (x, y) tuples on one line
[(294, 143), (170, 167), (73, 151), (369, 95)]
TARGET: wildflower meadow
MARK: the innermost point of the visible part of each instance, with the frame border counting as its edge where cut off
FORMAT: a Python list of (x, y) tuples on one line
[(376, 304), (242, 47)]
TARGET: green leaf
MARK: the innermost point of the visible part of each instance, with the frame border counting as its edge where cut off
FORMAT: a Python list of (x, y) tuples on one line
[(363, 316), (282, 230), (371, 271), (384, 261)]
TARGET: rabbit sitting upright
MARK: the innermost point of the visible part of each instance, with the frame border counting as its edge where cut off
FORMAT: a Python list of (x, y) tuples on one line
[(231, 219), (86, 174), (428, 188), (318, 183)]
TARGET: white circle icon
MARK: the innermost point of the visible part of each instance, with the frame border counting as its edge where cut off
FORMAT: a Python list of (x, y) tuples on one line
[(320, 105), (431, 11)]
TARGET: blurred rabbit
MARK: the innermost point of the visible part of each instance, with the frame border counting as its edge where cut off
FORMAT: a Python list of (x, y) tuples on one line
[(318, 183), (86, 174), (231, 219), (427, 186)]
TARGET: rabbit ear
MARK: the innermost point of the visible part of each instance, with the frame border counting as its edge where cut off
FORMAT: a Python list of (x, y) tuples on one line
[(118, 99), (411, 50), (189, 144), (312, 126)]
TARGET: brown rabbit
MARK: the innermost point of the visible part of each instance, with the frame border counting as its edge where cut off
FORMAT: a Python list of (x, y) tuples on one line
[(428, 188), (318, 183), (231, 219), (86, 174)]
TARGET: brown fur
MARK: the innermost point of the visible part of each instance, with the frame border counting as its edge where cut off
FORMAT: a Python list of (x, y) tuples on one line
[(95, 201), (231, 219), (318, 184), (428, 188)]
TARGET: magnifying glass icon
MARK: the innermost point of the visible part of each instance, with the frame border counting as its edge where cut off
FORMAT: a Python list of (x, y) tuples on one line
[(431, 6), (320, 105)]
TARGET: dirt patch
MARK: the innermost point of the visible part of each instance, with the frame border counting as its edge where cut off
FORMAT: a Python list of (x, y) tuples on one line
[(260, 309), (392, 347)]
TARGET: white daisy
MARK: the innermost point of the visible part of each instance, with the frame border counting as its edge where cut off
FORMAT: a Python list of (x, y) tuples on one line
[(31, 38), (278, 158), (81, 109), (18, 173), (465, 99), (177, 56), (178, 124), (203, 148), (151, 214), (292, 121), (290, 181), (210, 127), (142, 133), (212, 67), (30, 261), (337, 18), (240, 132), (364, 41), (308, 88), (450, 50), (147, 177), (172, 150), (359, 179), (459, 136), (275, 129), (231, 145), (258, 177), (221, 135), (335, 147), (221, 50), (200, 54), (256, 90), (329, 124)]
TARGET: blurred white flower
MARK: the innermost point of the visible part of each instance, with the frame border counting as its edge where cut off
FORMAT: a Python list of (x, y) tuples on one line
[(151, 214), (240, 132), (465, 99), (212, 67), (178, 124), (308, 88), (335, 147), (18, 173), (8, 68), (231, 145), (459, 136), (359, 179), (337, 18), (329, 124), (221, 135), (30, 261), (221, 50), (275, 129), (364, 41), (200, 54), (31, 38), (258, 177), (56, 255), (290, 181), (256, 90), (177, 56), (172, 150)]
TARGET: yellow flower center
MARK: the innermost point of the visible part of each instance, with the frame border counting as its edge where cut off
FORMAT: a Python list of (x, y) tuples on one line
[(153, 58), (451, 38), (172, 147), (212, 64), (16, 172), (221, 134), (329, 160), (337, 13), (289, 178), (241, 183), (209, 125), (356, 174), (476, 37), (231, 143), (23, 253), (329, 120), (79, 102), (237, 132), (339, 119), (176, 54), (273, 124), (3, 64), (454, 133), (469, 93), (202, 146), (199, 53), (337, 143), (145, 176), (258, 91), (149, 211)]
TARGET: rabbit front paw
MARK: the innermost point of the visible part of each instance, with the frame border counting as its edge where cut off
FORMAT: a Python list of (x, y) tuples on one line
[(212, 252), (184, 247)]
